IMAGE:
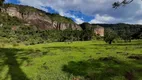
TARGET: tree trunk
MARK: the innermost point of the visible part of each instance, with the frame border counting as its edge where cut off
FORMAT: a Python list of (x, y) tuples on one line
[(129, 40), (110, 42)]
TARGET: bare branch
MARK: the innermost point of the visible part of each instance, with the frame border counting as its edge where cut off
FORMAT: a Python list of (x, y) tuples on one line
[(124, 2)]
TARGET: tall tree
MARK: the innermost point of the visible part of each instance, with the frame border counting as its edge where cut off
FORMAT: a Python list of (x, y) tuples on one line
[(126, 34), (1, 2), (110, 35)]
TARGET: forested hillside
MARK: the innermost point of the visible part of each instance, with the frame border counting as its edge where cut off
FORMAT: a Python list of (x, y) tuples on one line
[(133, 30), (28, 25)]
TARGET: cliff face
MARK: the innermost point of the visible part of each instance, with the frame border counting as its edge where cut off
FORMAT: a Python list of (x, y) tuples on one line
[(63, 26), (39, 19), (99, 30), (45, 21)]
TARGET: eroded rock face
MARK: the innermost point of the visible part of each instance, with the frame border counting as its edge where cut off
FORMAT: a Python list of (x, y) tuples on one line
[(44, 22), (12, 11), (41, 22), (63, 26), (99, 30)]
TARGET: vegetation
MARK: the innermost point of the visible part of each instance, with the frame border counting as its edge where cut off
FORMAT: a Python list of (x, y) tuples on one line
[(78, 60), (7, 20), (60, 19), (110, 35), (15, 30), (28, 36), (26, 52), (93, 69), (1, 2), (124, 30)]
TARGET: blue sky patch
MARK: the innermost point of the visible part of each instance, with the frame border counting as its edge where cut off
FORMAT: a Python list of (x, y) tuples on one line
[(80, 15), (51, 10), (12, 1)]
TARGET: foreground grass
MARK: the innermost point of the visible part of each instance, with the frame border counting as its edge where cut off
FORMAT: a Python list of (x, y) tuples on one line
[(63, 61)]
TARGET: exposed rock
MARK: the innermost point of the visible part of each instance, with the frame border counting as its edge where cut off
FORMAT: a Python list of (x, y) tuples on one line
[(63, 26), (99, 30), (1, 25), (43, 21), (12, 11), (40, 20), (96, 28)]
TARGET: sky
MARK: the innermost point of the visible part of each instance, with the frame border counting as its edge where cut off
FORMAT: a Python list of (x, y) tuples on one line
[(91, 11)]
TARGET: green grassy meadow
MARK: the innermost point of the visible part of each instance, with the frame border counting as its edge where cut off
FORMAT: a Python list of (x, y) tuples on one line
[(88, 60)]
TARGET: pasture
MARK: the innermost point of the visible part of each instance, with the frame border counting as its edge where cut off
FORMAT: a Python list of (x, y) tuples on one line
[(88, 60)]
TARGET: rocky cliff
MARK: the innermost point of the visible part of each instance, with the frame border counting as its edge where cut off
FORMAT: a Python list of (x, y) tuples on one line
[(38, 18), (99, 30), (46, 21)]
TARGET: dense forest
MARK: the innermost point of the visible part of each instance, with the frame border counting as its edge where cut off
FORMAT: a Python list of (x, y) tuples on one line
[(29, 35), (132, 30)]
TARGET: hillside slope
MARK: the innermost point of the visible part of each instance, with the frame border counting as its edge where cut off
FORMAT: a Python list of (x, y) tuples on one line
[(38, 18), (28, 25)]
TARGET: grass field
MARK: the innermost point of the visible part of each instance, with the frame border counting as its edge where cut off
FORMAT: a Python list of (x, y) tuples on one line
[(90, 60)]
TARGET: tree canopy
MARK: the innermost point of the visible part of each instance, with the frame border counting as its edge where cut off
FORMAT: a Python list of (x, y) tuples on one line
[(109, 36), (1, 2)]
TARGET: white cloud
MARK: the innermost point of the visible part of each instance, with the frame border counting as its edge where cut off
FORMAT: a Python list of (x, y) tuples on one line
[(101, 9), (79, 21), (102, 19)]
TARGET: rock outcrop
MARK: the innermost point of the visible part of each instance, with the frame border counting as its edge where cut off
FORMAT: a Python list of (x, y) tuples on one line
[(39, 19), (63, 26), (43, 21), (99, 30)]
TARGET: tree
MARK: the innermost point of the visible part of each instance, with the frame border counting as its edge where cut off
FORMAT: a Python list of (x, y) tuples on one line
[(1, 2), (126, 33), (118, 3), (109, 36), (140, 36), (87, 32)]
